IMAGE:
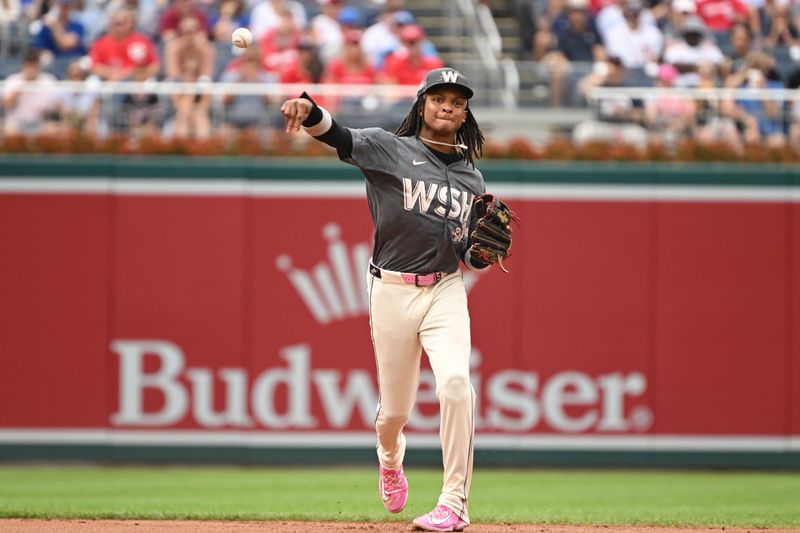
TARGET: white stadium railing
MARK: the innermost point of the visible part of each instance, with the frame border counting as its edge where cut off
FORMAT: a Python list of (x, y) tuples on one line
[(217, 88), (721, 93), (379, 105)]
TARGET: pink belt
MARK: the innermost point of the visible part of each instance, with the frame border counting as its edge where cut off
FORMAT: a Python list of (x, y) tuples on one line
[(419, 280)]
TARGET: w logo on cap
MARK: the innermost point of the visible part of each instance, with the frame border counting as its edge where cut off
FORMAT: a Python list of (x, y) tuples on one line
[(444, 76), (450, 76)]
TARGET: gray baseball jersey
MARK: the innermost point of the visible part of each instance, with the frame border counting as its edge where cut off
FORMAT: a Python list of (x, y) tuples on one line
[(409, 195)]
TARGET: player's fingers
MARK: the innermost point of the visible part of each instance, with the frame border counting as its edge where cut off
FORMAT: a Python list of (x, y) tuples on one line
[(291, 116), (299, 118)]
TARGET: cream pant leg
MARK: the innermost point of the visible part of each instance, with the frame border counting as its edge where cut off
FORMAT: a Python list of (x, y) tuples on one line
[(405, 319)]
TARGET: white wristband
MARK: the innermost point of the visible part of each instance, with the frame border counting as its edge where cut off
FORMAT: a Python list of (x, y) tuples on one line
[(323, 126)]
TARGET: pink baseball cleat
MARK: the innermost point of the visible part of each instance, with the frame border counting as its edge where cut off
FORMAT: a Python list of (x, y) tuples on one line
[(440, 519), (394, 489)]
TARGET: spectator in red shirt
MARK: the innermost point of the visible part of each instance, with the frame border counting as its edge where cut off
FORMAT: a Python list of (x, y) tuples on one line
[(352, 66), (279, 46), (116, 55), (721, 15), (408, 65), (306, 68), (171, 18)]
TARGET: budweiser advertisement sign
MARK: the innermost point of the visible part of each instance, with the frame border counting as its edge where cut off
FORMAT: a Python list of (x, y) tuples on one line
[(237, 314)]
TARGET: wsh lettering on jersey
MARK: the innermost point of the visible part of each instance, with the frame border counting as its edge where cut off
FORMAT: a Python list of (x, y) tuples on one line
[(420, 195)]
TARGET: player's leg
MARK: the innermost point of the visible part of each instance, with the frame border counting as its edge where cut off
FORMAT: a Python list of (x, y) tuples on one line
[(445, 336), (394, 321)]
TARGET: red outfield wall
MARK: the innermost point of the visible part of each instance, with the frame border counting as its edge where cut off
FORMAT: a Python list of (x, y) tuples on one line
[(164, 309)]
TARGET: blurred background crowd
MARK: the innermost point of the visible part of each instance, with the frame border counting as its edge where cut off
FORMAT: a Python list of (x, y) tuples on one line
[(554, 54), (190, 41)]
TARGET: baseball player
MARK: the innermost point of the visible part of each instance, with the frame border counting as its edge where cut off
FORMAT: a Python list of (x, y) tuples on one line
[(421, 183)]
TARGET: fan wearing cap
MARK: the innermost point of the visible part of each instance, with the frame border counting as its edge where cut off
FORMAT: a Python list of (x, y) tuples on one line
[(421, 182), (669, 117), (675, 16), (694, 50)]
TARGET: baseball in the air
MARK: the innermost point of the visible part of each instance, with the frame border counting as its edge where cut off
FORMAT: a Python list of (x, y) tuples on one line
[(242, 37)]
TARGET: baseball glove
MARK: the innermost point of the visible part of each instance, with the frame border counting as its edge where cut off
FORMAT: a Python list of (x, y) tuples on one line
[(490, 232)]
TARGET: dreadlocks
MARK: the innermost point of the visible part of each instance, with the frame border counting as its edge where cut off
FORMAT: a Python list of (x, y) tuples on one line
[(469, 133)]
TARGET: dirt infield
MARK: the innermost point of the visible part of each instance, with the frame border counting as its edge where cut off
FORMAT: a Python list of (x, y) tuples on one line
[(175, 526)]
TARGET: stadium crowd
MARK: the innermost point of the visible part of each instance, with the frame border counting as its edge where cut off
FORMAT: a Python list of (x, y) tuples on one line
[(190, 41), (578, 44), (688, 44)]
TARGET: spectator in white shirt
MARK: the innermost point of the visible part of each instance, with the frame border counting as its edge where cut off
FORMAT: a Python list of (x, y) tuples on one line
[(326, 33), (266, 15), (694, 50), (30, 111), (80, 110), (612, 16), (636, 43)]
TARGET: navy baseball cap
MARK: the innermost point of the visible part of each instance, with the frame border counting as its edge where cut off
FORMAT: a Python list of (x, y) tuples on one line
[(444, 76)]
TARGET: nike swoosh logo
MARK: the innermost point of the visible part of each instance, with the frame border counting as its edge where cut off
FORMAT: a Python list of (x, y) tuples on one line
[(415, 162), (439, 522)]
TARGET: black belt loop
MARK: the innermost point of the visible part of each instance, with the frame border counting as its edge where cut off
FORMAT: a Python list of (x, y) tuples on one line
[(375, 271)]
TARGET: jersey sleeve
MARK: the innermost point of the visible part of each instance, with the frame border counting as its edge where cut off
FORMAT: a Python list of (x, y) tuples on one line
[(373, 149), (482, 182)]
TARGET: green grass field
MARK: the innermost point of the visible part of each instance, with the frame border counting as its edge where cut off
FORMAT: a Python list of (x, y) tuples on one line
[(525, 496)]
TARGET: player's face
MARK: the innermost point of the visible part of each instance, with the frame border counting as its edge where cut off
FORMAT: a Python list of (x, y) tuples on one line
[(445, 110)]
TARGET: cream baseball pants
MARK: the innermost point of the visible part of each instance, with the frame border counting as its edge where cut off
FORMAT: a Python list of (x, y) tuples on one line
[(405, 319)]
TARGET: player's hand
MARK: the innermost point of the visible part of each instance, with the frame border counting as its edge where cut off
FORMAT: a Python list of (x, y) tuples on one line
[(295, 111)]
